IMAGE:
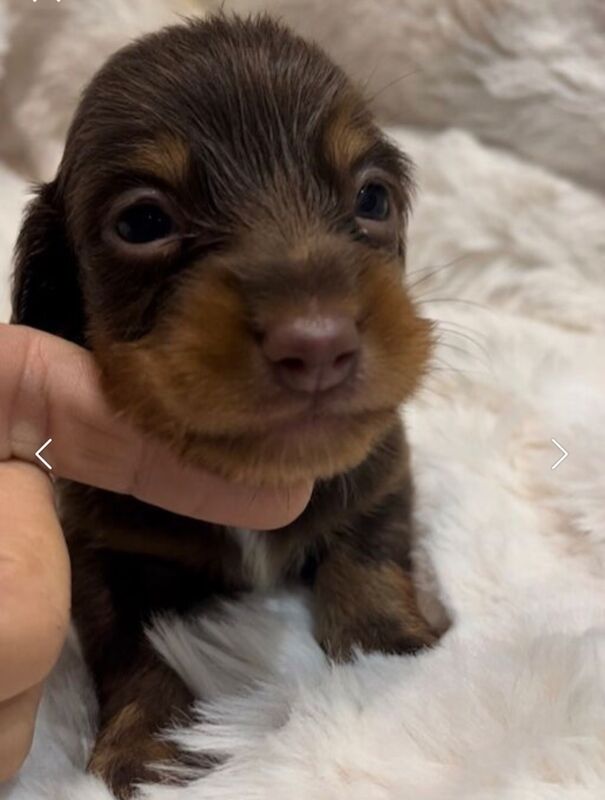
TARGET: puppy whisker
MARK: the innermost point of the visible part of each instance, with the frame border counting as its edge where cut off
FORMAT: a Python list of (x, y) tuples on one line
[(431, 271), (445, 331), (393, 82), (456, 301), (485, 365)]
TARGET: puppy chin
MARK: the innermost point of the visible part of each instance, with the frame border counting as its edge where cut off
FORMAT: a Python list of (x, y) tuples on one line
[(314, 449)]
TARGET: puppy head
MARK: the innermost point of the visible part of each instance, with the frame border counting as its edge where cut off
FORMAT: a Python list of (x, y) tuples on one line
[(226, 234)]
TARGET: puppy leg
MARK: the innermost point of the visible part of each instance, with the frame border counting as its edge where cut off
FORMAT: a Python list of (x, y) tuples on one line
[(138, 700), (364, 592), (139, 695)]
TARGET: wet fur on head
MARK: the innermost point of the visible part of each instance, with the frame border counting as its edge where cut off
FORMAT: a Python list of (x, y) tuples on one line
[(259, 144)]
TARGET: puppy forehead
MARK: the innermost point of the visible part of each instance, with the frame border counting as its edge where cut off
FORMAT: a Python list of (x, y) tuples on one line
[(220, 93), (170, 157)]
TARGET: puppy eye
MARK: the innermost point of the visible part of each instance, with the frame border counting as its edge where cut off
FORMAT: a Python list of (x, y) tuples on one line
[(144, 223), (373, 202)]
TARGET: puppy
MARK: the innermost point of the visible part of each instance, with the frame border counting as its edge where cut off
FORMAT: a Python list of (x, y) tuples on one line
[(226, 235)]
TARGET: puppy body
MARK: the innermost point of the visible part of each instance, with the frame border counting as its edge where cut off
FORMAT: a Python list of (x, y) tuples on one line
[(226, 235)]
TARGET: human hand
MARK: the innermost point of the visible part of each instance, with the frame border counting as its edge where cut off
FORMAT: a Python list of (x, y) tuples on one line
[(49, 389)]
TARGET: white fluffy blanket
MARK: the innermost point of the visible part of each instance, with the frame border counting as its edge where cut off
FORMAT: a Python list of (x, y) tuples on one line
[(507, 253)]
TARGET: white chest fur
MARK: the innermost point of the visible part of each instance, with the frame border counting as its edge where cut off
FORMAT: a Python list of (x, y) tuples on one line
[(259, 566)]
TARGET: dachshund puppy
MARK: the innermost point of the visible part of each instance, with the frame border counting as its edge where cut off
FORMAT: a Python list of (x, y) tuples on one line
[(226, 235)]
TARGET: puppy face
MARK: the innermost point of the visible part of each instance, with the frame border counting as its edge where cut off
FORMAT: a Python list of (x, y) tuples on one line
[(226, 234)]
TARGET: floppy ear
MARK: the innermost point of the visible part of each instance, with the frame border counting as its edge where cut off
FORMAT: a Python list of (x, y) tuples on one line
[(46, 293)]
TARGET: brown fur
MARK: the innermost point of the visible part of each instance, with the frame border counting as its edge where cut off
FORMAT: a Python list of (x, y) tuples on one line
[(278, 145), (367, 606)]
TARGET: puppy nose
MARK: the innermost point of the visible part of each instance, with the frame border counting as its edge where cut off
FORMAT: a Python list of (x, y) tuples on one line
[(312, 354)]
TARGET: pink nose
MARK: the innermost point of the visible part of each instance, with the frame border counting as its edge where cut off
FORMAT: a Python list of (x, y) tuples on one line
[(312, 354)]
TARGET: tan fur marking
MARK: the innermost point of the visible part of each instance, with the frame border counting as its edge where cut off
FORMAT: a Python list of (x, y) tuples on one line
[(345, 139), (126, 741), (129, 748), (167, 157)]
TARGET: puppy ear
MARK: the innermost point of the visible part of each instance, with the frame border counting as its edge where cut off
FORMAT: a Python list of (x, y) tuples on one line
[(46, 293)]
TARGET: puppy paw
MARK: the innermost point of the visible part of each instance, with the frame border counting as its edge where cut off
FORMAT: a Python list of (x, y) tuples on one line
[(124, 769), (369, 607), (408, 644), (383, 635)]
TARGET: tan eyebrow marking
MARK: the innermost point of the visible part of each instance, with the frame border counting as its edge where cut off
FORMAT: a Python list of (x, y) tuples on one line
[(348, 135), (167, 157)]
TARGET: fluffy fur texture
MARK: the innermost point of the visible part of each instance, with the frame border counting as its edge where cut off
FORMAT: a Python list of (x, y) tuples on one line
[(511, 704)]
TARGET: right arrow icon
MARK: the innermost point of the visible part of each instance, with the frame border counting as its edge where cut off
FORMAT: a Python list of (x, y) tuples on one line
[(563, 457)]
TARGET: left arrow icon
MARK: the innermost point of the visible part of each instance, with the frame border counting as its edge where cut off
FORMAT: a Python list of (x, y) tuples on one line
[(39, 457)]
